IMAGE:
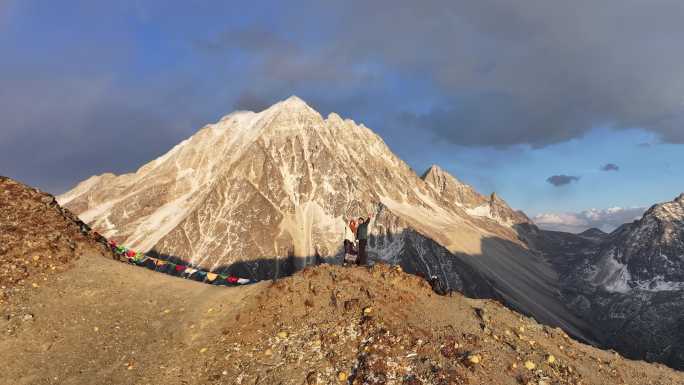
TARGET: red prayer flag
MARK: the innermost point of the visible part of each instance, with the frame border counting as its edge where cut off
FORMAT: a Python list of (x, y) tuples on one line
[(180, 267), (232, 279)]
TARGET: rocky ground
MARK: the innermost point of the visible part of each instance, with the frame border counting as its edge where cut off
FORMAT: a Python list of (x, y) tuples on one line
[(105, 322), (38, 238)]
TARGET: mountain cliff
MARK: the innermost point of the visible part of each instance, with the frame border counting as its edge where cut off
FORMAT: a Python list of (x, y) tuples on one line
[(648, 253), (474, 203)]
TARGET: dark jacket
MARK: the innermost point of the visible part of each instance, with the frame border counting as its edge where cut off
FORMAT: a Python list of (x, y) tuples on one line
[(362, 230)]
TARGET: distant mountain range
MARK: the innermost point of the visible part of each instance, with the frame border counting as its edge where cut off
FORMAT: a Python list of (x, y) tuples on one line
[(606, 220), (266, 193)]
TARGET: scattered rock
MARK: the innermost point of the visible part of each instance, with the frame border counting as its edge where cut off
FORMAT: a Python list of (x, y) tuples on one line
[(342, 376), (474, 359)]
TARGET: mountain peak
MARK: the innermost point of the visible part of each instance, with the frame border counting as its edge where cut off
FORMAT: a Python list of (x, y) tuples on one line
[(593, 232), (432, 170), (435, 173), (435, 168), (668, 211), (292, 106), (293, 102)]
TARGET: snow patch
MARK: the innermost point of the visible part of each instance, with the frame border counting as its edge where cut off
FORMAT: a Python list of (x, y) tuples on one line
[(659, 284), (159, 223), (480, 211), (613, 275)]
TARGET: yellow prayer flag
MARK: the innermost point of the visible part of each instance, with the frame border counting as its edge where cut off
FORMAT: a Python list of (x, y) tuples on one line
[(211, 277)]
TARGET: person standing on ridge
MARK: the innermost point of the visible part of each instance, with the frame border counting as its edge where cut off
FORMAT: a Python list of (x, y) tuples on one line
[(350, 253), (362, 236)]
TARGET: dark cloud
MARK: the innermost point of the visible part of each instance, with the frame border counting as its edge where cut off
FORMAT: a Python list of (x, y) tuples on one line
[(562, 180), (108, 86), (610, 167), (251, 38), (503, 73), (60, 131), (250, 102)]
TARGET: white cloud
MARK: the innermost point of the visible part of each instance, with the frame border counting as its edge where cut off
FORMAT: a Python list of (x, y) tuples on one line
[(604, 219)]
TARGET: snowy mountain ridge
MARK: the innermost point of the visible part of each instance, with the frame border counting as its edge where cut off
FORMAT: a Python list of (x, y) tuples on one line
[(647, 254), (184, 177), (629, 283)]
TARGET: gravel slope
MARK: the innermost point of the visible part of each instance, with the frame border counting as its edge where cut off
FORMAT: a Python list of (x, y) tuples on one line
[(105, 322)]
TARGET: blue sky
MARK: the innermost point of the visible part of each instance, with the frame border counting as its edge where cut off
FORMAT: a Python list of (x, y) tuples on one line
[(504, 95)]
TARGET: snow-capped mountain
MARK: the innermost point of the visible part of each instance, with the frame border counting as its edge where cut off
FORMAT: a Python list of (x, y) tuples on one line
[(266, 192), (275, 183), (647, 254), (629, 283)]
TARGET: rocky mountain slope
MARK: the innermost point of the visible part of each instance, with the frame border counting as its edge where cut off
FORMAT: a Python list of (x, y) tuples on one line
[(647, 254), (270, 184), (630, 283), (262, 194), (38, 238), (474, 203)]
